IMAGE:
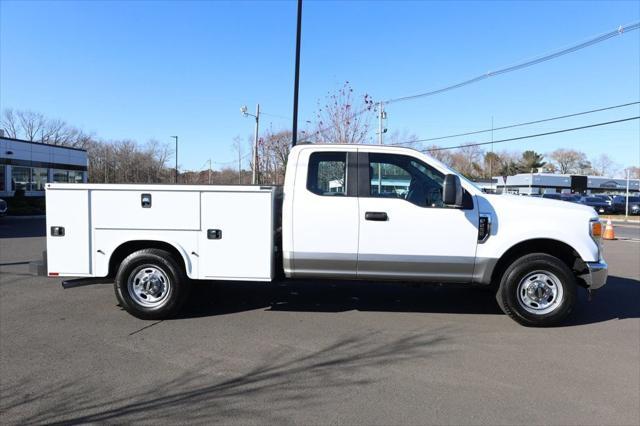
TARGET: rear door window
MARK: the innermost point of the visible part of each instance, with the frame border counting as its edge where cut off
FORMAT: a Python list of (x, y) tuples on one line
[(327, 174)]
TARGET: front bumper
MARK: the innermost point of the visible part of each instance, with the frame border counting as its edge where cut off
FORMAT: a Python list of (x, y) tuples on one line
[(597, 275)]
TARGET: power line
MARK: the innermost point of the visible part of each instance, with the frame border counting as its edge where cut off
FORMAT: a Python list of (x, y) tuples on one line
[(590, 42), (533, 136), (275, 115), (244, 157), (511, 126)]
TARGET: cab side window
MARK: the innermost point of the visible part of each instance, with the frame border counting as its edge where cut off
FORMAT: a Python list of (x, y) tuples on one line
[(400, 176), (327, 173)]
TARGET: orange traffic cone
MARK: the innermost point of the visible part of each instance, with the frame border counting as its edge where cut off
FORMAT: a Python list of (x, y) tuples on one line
[(608, 232)]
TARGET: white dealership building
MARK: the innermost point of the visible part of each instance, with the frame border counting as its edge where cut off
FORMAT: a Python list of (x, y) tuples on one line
[(27, 166), (541, 183)]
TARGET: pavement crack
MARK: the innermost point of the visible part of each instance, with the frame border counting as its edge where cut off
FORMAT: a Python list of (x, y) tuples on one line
[(144, 328)]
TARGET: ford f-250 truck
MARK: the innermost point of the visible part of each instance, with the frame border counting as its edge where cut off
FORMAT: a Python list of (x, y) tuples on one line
[(345, 212)]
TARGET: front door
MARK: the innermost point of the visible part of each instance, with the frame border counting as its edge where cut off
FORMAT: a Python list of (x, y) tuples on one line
[(405, 229)]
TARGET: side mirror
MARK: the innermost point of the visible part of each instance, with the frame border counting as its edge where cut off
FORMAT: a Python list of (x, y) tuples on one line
[(452, 190)]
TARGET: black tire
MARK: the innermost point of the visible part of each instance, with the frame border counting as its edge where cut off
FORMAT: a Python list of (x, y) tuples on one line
[(173, 284), (512, 297)]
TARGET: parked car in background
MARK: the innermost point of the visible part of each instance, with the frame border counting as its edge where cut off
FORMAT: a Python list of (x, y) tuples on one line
[(598, 204), (572, 198), (619, 204), (552, 196), (3, 207), (607, 198)]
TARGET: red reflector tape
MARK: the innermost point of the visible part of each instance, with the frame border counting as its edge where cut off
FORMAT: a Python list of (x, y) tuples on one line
[(53, 274)]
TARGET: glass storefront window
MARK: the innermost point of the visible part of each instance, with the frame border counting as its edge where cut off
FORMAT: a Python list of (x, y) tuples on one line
[(38, 179), (75, 176), (61, 176), (21, 178), (2, 172)]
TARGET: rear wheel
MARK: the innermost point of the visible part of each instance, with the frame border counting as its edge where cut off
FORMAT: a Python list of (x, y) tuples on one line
[(151, 285), (537, 290)]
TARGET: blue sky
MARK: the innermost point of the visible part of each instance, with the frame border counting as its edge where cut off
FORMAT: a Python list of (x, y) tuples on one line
[(143, 70)]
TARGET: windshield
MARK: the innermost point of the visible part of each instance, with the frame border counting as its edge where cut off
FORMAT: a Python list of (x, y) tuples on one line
[(453, 171)]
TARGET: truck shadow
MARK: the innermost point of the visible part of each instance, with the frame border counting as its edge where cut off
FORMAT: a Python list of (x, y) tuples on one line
[(617, 300), (17, 227), (270, 391)]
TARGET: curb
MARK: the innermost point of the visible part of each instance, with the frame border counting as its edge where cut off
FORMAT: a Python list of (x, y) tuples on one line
[(632, 222)]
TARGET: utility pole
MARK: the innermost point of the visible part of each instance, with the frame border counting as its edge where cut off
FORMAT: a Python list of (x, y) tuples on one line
[(382, 115), (239, 164), (254, 178), (491, 158), (209, 171), (176, 138), (296, 83), (626, 206), (243, 110)]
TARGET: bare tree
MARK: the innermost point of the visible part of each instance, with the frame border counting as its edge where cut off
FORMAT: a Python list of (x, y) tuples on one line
[(273, 151), (442, 155), (634, 172), (467, 160), (343, 118), (603, 165), (569, 160), (10, 123), (32, 126)]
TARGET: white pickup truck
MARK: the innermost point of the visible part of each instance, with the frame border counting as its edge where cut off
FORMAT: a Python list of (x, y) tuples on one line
[(345, 212)]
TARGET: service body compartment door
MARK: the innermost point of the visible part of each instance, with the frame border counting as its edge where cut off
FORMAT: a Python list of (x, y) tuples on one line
[(68, 253), (146, 209), (236, 238)]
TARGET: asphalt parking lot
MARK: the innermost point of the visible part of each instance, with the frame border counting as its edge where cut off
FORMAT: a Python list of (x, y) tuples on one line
[(313, 352)]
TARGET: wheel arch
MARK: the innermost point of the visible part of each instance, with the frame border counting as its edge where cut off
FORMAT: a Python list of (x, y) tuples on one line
[(563, 251), (128, 247)]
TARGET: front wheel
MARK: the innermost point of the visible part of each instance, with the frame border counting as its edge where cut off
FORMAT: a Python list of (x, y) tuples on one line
[(537, 290), (151, 285)]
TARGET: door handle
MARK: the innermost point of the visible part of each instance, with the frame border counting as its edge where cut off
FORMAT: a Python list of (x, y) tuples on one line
[(376, 216)]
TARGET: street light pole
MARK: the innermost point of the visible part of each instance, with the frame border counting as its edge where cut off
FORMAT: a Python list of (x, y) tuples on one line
[(176, 138), (296, 83)]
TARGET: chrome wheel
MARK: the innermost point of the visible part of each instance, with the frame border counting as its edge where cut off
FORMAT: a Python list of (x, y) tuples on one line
[(540, 292), (149, 286)]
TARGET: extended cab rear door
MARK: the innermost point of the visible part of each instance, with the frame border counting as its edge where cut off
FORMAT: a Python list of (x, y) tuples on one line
[(406, 231), (324, 215)]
